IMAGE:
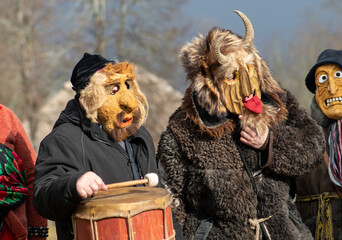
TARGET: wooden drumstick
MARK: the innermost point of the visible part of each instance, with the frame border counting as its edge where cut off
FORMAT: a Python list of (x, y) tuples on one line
[(150, 180)]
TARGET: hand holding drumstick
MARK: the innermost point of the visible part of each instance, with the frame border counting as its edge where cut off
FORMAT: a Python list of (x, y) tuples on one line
[(89, 183)]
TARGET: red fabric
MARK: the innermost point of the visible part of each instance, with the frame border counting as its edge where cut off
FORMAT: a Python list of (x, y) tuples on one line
[(13, 190), (6, 234), (13, 135), (16, 225), (253, 104)]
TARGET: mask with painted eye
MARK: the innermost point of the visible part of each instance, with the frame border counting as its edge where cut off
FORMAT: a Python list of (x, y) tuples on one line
[(328, 79), (242, 90)]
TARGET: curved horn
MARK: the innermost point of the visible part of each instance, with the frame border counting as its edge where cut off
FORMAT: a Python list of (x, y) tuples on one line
[(222, 59), (249, 31)]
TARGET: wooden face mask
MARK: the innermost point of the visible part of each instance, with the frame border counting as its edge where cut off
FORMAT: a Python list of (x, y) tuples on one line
[(243, 90), (122, 113), (328, 79)]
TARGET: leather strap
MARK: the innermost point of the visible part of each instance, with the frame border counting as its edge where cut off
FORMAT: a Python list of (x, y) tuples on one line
[(203, 229), (250, 175)]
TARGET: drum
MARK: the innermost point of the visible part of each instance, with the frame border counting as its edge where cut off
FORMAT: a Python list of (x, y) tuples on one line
[(134, 213)]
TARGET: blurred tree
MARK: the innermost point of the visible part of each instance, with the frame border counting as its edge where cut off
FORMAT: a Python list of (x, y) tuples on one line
[(41, 40), (99, 13), (147, 32), (30, 59), (334, 5), (291, 61)]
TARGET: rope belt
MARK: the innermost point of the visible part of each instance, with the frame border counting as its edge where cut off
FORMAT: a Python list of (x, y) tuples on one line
[(255, 224), (324, 220)]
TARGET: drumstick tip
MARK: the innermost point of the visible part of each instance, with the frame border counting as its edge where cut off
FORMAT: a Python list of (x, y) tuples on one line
[(152, 179)]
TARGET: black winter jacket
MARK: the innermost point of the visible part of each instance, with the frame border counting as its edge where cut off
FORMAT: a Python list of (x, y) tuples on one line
[(75, 146)]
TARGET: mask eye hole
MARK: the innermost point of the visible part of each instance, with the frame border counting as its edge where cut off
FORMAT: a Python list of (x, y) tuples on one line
[(232, 77), (338, 74), (322, 78), (112, 89)]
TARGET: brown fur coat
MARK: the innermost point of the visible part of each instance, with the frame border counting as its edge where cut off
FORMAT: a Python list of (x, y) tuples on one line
[(207, 178)]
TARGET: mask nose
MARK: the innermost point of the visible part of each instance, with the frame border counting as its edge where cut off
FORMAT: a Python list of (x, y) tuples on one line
[(128, 102), (332, 87)]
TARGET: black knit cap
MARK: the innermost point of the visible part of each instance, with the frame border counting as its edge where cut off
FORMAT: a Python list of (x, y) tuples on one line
[(326, 57), (85, 68)]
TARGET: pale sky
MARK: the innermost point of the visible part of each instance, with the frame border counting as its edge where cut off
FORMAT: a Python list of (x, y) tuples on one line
[(267, 16)]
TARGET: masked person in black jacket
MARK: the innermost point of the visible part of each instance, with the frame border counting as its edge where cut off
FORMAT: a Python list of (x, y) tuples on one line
[(87, 147)]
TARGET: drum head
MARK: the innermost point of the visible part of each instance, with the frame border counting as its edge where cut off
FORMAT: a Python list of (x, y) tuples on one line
[(123, 202)]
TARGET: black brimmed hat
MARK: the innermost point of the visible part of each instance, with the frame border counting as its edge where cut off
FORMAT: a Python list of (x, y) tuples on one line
[(326, 57), (85, 68)]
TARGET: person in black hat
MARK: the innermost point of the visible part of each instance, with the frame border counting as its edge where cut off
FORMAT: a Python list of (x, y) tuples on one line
[(98, 139), (319, 193)]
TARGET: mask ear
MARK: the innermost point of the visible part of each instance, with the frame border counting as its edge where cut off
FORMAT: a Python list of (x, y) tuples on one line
[(318, 115)]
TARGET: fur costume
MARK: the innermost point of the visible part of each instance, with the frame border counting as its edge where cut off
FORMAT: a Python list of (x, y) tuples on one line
[(202, 158)]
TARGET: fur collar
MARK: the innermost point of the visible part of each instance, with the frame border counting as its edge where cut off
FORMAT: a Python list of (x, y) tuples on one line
[(274, 111)]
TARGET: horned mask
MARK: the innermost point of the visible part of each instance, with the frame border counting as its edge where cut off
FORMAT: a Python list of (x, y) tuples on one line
[(228, 77), (242, 85)]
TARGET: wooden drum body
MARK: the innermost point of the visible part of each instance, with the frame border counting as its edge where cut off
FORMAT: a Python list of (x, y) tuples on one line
[(132, 213)]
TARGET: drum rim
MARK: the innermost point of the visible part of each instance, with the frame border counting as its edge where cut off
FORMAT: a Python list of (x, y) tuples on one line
[(94, 209)]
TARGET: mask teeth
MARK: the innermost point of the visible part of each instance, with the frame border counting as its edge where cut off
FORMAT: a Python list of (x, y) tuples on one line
[(330, 100)]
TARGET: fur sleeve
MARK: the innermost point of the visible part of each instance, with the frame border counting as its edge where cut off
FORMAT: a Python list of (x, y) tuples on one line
[(172, 171), (298, 144)]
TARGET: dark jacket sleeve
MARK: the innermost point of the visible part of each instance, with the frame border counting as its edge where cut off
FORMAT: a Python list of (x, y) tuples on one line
[(57, 169), (298, 142)]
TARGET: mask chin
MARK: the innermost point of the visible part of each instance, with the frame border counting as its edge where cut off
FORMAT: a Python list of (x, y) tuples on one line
[(121, 134)]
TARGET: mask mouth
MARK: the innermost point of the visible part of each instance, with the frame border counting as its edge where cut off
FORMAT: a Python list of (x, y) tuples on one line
[(124, 121), (253, 103), (334, 100), (246, 99)]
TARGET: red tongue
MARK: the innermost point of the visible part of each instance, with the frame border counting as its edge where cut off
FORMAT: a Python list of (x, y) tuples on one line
[(253, 104)]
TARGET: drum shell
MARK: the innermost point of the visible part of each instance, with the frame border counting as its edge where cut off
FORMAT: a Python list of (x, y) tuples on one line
[(130, 213)]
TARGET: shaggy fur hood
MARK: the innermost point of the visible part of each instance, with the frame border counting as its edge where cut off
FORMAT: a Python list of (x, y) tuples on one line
[(205, 93)]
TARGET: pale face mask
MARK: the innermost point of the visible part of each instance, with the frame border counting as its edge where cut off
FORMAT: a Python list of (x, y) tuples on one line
[(120, 114), (328, 79)]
